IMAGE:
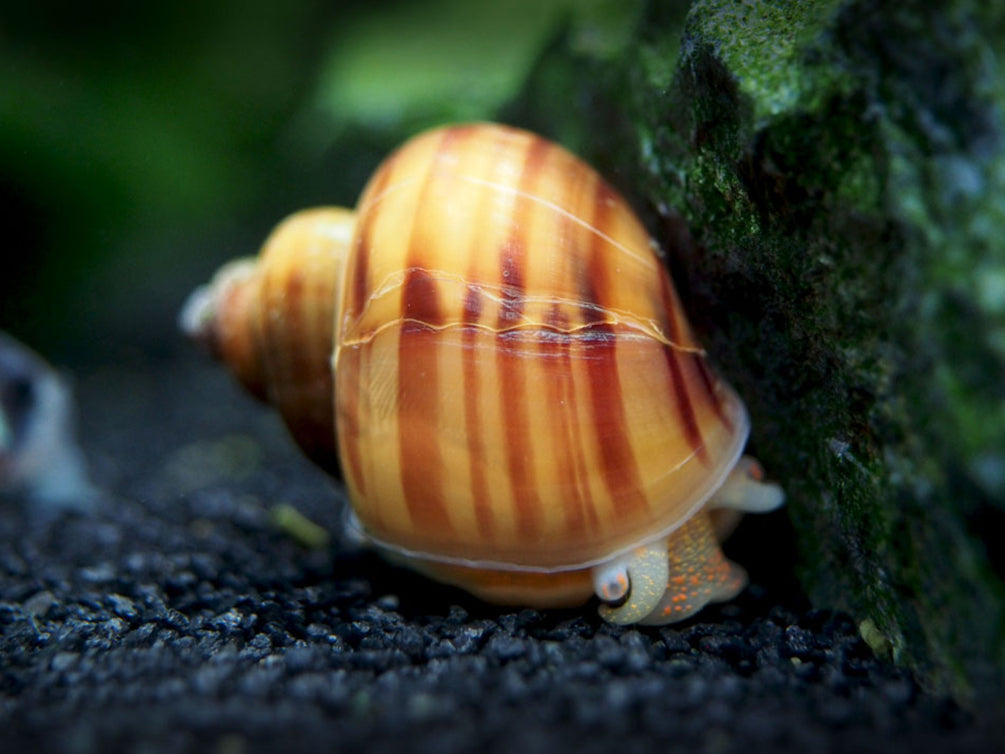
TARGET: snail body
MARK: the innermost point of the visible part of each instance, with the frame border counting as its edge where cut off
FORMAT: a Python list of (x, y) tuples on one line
[(520, 406)]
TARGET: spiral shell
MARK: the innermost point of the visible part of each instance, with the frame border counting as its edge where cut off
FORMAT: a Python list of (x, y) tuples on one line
[(520, 405), (510, 343), (271, 319)]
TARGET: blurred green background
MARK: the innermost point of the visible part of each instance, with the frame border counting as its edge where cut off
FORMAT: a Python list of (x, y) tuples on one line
[(142, 145)]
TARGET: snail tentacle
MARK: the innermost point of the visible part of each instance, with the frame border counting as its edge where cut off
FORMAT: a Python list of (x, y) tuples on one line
[(637, 580), (744, 489)]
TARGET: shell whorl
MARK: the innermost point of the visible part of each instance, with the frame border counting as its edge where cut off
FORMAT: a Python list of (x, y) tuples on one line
[(271, 320), (516, 383)]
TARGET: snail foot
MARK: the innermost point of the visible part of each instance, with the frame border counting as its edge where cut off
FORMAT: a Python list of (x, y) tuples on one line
[(685, 595), (699, 573)]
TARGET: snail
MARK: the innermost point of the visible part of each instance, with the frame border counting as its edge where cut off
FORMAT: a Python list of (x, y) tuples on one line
[(520, 406), (39, 455)]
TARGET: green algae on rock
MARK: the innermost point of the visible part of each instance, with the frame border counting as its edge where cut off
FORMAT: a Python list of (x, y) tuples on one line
[(827, 178), (839, 165)]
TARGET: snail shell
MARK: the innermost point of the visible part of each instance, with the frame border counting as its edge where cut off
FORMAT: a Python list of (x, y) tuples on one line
[(271, 320), (39, 455), (520, 405)]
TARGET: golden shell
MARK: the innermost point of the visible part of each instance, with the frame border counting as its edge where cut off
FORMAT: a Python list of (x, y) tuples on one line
[(510, 344), (271, 320), (519, 402)]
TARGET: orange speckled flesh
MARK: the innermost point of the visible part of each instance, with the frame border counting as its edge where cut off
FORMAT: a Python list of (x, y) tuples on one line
[(699, 572), (516, 384)]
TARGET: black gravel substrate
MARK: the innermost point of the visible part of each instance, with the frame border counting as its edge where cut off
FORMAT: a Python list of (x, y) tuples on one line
[(178, 616)]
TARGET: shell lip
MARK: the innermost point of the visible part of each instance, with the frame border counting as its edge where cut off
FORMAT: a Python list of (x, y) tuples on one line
[(357, 532)]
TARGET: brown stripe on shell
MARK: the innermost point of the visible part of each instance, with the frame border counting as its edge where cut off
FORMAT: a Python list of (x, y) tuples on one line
[(481, 501), (419, 300), (472, 416), (510, 357), (708, 382), (620, 470), (685, 409), (422, 468), (287, 351), (595, 274), (358, 292), (621, 473), (581, 506), (512, 371), (472, 305), (561, 405)]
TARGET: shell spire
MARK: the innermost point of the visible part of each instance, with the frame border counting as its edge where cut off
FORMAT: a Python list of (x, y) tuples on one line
[(271, 319), (497, 355)]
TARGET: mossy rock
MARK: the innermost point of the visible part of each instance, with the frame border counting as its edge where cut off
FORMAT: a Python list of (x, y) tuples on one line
[(826, 178)]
